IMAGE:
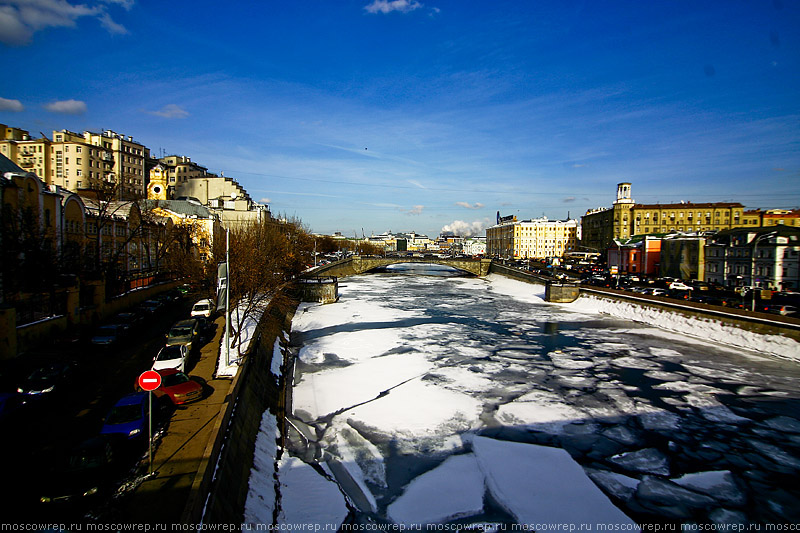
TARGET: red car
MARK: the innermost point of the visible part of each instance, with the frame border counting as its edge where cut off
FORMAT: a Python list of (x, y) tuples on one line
[(178, 387)]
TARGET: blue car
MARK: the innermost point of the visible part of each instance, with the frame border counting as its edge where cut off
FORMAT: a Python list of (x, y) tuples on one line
[(128, 417)]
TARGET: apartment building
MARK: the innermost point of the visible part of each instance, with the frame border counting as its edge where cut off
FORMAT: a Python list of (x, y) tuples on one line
[(178, 178), (765, 257), (178, 170), (538, 238), (128, 158), (76, 164), (626, 218)]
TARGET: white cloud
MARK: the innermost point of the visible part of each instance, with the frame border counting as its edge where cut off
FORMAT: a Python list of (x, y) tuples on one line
[(387, 6), (170, 111), (467, 205), (466, 229), (11, 105), (265, 200), (67, 107), (417, 184), (417, 210), (127, 4), (111, 26), (20, 19)]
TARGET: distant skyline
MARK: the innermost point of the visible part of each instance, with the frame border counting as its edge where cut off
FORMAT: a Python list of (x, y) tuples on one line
[(403, 115)]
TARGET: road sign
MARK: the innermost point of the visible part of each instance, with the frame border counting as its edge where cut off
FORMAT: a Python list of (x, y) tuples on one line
[(150, 380)]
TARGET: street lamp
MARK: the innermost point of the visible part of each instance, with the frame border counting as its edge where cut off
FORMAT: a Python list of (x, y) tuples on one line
[(753, 265)]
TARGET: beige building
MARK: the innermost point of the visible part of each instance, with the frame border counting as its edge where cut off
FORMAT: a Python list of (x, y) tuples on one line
[(626, 218), (176, 177), (79, 161), (32, 155), (538, 238), (128, 159), (178, 170)]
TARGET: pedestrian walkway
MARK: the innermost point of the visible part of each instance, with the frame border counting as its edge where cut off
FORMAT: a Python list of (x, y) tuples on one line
[(162, 498)]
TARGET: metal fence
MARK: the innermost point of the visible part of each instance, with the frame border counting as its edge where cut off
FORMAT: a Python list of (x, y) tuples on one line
[(40, 306)]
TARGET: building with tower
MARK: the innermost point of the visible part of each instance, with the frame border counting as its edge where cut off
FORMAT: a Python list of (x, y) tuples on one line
[(602, 226)]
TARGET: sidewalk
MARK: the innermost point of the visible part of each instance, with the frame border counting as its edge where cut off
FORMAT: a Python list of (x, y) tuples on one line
[(162, 499)]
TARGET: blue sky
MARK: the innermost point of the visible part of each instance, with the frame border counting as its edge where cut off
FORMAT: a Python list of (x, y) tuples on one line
[(405, 115)]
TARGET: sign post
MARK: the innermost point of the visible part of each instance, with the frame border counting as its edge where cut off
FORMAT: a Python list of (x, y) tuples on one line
[(150, 380)]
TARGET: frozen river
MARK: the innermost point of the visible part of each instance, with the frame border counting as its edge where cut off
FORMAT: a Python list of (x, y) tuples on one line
[(423, 399)]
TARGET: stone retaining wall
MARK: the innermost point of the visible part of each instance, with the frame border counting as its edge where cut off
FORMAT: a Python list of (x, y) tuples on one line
[(258, 391)]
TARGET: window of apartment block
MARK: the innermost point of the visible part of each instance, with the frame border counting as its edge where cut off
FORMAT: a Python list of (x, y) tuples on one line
[(78, 149)]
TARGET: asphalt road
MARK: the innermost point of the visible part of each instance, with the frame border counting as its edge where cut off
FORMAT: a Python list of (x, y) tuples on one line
[(43, 431)]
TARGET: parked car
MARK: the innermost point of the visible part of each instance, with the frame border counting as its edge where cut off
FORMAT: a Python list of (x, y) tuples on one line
[(185, 332), (178, 387), (783, 309), (204, 308), (86, 471), (173, 356), (128, 417), (131, 319), (109, 335), (47, 379), (679, 286), (185, 289), (151, 306)]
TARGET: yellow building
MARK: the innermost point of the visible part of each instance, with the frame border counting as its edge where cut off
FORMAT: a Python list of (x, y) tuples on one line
[(539, 238), (781, 217), (128, 159), (32, 155), (76, 164), (600, 227), (178, 170)]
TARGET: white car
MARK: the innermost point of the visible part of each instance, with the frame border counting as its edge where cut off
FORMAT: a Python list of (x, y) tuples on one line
[(204, 308), (171, 357), (679, 286)]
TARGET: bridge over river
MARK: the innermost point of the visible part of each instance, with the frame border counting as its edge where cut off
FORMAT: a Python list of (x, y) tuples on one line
[(359, 264)]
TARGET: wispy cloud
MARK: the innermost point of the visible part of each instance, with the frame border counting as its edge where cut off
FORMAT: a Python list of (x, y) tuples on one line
[(569, 200), (265, 200), (11, 105), (468, 205), (20, 19), (417, 184), (111, 26), (416, 210), (67, 107), (387, 6), (170, 111)]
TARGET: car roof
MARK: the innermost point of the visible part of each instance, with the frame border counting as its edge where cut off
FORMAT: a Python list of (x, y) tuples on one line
[(208, 301), (185, 322), (168, 371), (134, 398)]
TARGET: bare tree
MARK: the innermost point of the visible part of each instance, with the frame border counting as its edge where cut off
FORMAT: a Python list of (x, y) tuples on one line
[(263, 257)]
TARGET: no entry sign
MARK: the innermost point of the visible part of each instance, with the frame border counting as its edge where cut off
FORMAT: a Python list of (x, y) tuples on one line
[(150, 380)]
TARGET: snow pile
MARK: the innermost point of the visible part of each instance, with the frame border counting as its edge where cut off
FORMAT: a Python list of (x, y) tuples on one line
[(262, 494), (228, 362), (700, 328)]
